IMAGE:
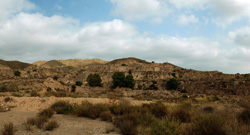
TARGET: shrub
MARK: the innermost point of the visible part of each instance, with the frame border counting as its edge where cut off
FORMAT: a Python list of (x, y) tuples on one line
[(17, 73), (147, 119), (8, 129), (48, 113), (181, 114), (207, 125), (40, 121), (124, 65), (94, 80), (34, 93), (62, 107), (123, 108), (165, 127), (129, 81), (172, 84), (31, 121), (51, 125), (158, 109), (87, 109), (106, 116), (73, 88), (3, 89), (127, 123), (78, 83), (244, 116), (208, 109), (7, 99)]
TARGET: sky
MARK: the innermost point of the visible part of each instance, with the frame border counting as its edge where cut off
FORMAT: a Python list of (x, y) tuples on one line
[(205, 35)]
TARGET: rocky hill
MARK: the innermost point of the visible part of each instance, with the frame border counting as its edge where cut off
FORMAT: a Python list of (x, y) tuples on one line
[(61, 75)]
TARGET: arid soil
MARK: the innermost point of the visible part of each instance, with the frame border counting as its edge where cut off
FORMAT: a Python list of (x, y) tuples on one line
[(22, 108)]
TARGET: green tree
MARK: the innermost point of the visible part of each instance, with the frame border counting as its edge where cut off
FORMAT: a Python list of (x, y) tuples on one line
[(119, 80), (17, 73), (172, 84), (129, 81), (94, 80)]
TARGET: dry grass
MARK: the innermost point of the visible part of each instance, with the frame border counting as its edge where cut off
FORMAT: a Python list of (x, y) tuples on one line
[(8, 129), (48, 113), (51, 125), (106, 116)]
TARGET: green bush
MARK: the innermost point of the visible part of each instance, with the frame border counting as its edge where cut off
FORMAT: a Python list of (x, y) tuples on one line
[(17, 73), (165, 127), (78, 83), (172, 84), (94, 80), (62, 107)]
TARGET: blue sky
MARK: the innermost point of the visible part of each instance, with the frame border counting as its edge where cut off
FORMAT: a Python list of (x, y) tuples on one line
[(198, 34)]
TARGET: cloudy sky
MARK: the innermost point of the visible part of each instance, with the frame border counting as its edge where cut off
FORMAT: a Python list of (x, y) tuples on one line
[(198, 34)]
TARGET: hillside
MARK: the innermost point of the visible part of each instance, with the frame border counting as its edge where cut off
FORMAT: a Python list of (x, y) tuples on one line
[(14, 64), (62, 75)]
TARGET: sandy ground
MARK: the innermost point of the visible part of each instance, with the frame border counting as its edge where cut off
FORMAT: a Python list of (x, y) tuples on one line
[(23, 108)]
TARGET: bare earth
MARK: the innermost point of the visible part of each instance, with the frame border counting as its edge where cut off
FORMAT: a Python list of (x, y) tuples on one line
[(26, 107)]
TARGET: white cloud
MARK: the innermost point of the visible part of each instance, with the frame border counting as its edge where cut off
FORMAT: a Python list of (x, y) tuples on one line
[(133, 10), (10, 7), (189, 4), (185, 20), (241, 36)]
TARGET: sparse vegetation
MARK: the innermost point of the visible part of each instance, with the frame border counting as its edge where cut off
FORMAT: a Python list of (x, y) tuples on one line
[(94, 80), (165, 127), (181, 114), (78, 83), (47, 113), (51, 125), (62, 107), (8, 129)]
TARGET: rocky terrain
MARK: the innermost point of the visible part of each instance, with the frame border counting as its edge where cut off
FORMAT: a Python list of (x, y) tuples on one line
[(61, 75)]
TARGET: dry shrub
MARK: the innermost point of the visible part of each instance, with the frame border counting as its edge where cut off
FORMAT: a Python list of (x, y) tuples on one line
[(147, 119), (127, 123), (8, 99), (123, 108), (31, 121), (40, 122), (46, 113), (51, 125), (207, 125), (181, 114), (244, 116), (106, 116), (87, 109), (244, 104), (208, 109), (62, 107), (165, 127), (158, 109), (8, 129)]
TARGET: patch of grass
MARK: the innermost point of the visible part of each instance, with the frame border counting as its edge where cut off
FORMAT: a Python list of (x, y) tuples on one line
[(244, 116), (51, 125), (165, 127), (40, 121), (48, 113), (158, 109), (62, 107), (16, 95), (181, 114), (8, 129), (207, 125), (87, 109), (106, 116)]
